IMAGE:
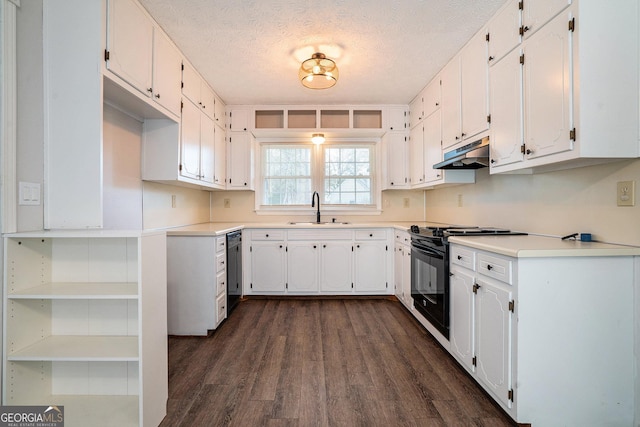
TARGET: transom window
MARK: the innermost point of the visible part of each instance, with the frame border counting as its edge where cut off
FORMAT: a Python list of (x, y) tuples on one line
[(343, 174)]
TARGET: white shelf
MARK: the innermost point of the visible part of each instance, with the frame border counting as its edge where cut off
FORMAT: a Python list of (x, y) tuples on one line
[(78, 291), (80, 348), (83, 410)]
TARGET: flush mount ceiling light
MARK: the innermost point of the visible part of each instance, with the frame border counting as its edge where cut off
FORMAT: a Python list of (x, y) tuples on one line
[(318, 72), (317, 138)]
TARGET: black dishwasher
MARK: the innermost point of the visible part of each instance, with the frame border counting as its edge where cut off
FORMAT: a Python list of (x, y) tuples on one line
[(234, 269)]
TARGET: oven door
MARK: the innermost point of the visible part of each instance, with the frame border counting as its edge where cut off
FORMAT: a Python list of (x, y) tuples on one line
[(430, 286)]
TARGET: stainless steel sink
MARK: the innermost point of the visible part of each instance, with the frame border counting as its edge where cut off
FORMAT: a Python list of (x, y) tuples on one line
[(317, 223)]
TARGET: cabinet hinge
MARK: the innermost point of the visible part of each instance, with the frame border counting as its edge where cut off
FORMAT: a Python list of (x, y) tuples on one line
[(487, 37), (386, 248), (351, 248), (106, 55), (386, 285), (474, 361), (572, 134), (522, 58), (286, 248), (181, 85), (286, 286), (180, 168), (489, 118), (523, 149), (512, 306), (351, 285), (521, 5), (475, 288), (250, 247), (510, 395), (182, 67), (572, 24), (181, 105), (251, 285)]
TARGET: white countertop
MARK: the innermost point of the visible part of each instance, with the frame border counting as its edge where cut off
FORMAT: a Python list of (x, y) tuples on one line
[(534, 246)]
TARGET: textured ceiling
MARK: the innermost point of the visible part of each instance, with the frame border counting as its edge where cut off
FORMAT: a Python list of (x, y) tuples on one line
[(386, 51)]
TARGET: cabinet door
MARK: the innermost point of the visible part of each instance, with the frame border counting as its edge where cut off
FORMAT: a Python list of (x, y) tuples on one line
[(336, 267), (432, 147), (239, 120), (474, 77), (396, 118), (451, 121), (220, 154), (190, 83), (130, 44), (208, 100), (268, 267), (416, 151), (547, 90), (406, 276), (536, 13), (504, 32), (462, 316), (416, 110), (506, 111), (493, 338), (398, 258), (239, 161), (190, 141), (432, 97), (167, 63), (219, 113), (397, 159), (303, 259), (207, 149), (371, 267)]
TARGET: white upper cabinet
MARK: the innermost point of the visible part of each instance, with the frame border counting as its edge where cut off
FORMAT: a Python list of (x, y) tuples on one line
[(239, 120), (474, 73), (207, 150), (548, 90), (431, 97), (396, 151), (190, 141), (130, 44), (197, 90), (220, 160), (416, 110), (396, 119), (167, 63), (451, 104), (504, 31), (416, 155), (219, 114), (432, 141), (240, 157), (536, 13)]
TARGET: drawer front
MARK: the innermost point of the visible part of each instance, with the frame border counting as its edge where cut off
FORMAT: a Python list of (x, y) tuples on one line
[(463, 257), (319, 235), (221, 244), (371, 234), (267, 234), (493, 266), (221, 304), (221, 281), (402, 237), (221, 261)]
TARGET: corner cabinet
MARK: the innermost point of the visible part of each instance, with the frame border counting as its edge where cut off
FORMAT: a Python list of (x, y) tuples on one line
[(82, 325), (521, 326)]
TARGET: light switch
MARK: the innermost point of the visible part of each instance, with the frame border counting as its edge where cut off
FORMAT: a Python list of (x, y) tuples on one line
[(28, 193)]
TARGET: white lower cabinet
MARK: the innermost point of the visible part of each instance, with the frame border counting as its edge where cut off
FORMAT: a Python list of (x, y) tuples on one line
[(82, 327), (402, 267), (521, 326), (196, 284), (329, 261)]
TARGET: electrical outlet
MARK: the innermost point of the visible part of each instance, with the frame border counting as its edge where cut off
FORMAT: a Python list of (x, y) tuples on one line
[(405, 202), (173, 200), (459, 200), (626, 193), (227, 203)]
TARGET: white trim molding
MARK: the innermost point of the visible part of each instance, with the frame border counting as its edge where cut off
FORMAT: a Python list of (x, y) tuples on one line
[(8, 115)]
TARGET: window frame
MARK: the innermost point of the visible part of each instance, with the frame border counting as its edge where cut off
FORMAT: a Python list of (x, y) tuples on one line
[(318, 176)]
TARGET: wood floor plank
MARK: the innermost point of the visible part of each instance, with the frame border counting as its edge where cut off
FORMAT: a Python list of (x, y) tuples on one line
[(321, 362)]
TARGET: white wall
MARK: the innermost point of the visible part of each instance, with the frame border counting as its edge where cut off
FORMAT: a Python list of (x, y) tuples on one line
[(555, 203)]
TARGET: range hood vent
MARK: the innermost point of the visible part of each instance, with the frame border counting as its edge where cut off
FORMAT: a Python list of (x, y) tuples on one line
[(474, 155)]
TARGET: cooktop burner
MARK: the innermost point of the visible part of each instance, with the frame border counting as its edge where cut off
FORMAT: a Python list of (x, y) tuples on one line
[(447, 231)]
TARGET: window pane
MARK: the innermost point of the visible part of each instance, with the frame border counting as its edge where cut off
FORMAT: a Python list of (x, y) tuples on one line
[(348, 175), (287, 174)]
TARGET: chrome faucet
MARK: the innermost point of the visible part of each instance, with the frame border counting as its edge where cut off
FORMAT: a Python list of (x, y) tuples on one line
[(313, 204)]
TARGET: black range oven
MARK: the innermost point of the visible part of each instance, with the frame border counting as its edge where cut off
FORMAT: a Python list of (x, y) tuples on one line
[(430, 269)]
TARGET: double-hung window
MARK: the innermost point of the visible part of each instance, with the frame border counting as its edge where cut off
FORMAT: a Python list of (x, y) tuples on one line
[(343, 174)]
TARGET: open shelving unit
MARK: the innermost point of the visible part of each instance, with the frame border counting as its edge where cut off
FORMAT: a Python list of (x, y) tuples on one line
[(82, 326)]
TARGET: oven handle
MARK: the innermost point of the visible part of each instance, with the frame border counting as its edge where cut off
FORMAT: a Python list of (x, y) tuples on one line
[(427, 251)]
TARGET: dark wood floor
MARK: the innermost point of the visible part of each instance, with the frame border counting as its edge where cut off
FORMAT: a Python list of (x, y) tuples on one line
[(327, 362)]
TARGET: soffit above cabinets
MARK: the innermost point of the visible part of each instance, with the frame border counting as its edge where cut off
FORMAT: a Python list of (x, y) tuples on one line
[(250, 51)]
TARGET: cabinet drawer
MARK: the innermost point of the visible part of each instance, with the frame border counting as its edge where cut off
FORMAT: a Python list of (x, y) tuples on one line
[(221, 281), (221, 304), (271, 234), (463, 257), (221, 244), (371, 234), (402, 237), (221, 261), (493, 266)]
